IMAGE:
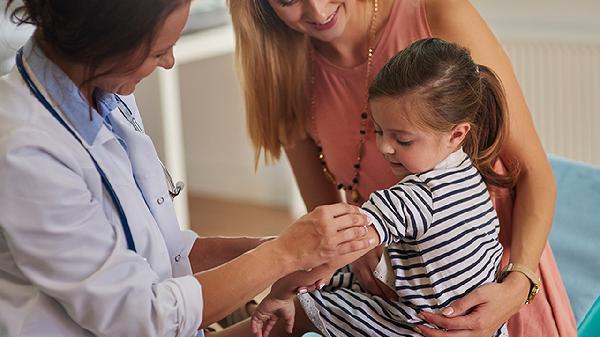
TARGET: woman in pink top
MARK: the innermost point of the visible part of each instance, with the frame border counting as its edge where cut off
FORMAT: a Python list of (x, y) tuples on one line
[(306, 66)]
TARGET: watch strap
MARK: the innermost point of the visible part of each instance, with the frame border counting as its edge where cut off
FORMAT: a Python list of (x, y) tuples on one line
[(530, 274)]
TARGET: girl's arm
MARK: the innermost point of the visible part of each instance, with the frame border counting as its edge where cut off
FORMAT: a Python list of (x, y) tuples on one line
[(317, 190), (458, 21)]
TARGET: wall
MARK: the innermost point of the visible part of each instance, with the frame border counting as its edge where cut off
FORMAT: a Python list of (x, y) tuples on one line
[(219, 157), (555, 50)]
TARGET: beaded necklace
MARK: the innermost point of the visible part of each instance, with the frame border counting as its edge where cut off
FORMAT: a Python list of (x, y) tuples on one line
[(351, 187)]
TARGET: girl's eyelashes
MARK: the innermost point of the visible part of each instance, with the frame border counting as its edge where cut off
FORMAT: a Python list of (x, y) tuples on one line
[(404, 142)]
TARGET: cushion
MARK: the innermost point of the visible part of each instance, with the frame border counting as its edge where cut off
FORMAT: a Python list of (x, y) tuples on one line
[(575, 235)]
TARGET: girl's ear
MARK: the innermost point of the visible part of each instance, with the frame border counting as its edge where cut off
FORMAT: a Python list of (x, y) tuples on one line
[(458, 133)]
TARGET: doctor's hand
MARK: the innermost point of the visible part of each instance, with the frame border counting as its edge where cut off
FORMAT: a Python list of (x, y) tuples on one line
[(324, 234)]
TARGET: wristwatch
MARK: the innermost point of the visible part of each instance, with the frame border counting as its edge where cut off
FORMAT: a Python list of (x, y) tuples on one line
[(536, 283)]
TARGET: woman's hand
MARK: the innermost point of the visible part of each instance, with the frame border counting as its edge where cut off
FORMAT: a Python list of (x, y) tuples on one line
[(481, 312), (323, 234)]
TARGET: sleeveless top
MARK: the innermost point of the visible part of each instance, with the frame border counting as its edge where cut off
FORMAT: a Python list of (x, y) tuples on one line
[(340, 95)]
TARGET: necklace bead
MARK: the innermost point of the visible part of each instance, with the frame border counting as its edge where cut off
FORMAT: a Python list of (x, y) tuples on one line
[(364, 115)]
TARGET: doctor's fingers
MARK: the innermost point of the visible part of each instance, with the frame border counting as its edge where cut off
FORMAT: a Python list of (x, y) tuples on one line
[(348, 221), (349, 234), (335, 211), (355, 246)]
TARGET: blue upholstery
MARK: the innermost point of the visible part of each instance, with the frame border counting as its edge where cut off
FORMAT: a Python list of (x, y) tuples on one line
[(590, 326), (575, 235)]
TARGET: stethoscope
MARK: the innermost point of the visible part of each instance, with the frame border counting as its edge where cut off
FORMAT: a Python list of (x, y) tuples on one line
[(174, 189)]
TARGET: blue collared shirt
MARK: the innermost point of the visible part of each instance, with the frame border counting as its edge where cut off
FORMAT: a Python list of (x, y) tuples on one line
[(86, 120)]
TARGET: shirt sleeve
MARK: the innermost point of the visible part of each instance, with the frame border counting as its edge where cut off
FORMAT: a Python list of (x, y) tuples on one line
[(60, 239), (403, 211)]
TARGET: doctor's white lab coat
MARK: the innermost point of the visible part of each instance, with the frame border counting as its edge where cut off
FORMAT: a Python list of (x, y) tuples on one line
[(65, 269)]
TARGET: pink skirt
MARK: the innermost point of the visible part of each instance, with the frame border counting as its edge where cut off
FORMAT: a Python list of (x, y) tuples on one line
[(550, 313)]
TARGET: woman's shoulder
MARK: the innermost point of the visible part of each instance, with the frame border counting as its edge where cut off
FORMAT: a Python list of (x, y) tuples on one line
[(453, 20), (405, 23)]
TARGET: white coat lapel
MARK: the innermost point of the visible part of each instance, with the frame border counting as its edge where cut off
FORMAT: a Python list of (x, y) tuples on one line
[(150, 179)]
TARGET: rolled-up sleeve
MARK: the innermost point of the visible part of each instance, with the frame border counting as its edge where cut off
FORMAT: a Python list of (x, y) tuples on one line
[(61, 240)]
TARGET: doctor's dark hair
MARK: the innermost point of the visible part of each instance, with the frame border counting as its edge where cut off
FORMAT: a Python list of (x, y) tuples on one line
[(92, 32), (452, 89)]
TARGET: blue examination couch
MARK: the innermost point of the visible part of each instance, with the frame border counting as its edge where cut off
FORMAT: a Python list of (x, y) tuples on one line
[(575, 239)]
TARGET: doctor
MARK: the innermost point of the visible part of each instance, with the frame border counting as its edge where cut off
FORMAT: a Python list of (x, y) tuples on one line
[(89, 242)]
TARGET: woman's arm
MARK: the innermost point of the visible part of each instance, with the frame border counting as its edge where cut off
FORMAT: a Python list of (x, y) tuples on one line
[(458, 21), (315, 239), (314, 186)]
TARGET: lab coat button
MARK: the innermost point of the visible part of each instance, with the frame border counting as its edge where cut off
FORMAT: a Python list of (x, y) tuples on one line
[(160, 200), (177, 257)]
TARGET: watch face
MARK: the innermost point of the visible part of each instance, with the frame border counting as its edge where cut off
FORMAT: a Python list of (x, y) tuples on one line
[(535, 289)]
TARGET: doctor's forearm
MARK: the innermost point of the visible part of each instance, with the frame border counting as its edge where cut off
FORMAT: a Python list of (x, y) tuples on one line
[(286, 287), (232, 284), (210, 252)]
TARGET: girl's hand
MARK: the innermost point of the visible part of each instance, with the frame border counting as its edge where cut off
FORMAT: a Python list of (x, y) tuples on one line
[(269, 311), (481, 312), (322, 235)]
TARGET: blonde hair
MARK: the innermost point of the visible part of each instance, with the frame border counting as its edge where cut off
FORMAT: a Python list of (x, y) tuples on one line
[(271, 60)]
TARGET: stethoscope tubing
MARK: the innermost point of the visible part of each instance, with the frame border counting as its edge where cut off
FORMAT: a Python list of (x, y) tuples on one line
[(105, 182)]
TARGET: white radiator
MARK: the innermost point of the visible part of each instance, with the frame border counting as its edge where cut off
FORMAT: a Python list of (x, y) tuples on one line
[(561, 82)]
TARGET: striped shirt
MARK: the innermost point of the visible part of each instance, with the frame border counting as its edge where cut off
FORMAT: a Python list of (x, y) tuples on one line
[(441, 236)]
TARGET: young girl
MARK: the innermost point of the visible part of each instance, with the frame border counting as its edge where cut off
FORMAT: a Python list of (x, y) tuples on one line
[(440, 120)]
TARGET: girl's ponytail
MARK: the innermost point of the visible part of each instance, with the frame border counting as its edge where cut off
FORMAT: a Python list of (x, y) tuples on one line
[(490, 130)]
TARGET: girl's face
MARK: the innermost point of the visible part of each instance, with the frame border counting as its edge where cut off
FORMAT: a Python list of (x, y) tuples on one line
[(324, 20), (407, 147), (161, 55)]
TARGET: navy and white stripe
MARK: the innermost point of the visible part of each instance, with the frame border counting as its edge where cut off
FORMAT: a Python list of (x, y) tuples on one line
[(441, 234)]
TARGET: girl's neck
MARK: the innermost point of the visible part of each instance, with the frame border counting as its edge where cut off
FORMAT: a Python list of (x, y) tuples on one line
[(76, 72), (350, 49)]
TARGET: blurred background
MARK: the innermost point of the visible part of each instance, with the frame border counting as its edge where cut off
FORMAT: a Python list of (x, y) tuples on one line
[(195, 115)]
